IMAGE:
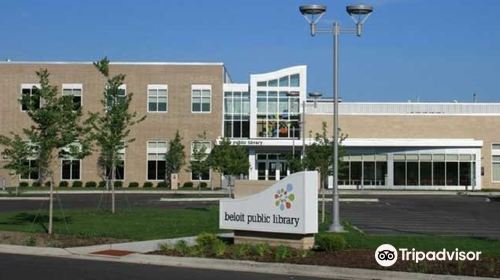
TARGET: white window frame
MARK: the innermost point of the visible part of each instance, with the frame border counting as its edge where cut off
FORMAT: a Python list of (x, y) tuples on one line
[(156, 87), (494, 153), (207, 152), (71, 170), (27, 86), (72, 87), (155, 151), (124, 88), (201, 88)]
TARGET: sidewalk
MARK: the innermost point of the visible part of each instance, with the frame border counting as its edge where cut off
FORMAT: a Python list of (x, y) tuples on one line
[(122, 191), (224, 264)]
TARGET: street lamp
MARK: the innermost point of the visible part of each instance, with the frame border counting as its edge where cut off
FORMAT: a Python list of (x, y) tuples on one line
[(313, 13)]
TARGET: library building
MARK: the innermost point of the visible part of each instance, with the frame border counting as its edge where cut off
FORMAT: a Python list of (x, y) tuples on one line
[(390, 145)]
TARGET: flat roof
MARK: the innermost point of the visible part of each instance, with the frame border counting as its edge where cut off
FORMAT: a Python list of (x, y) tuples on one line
[(116, 63)]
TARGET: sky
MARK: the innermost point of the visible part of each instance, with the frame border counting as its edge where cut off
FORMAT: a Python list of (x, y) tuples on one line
[(418, 50)]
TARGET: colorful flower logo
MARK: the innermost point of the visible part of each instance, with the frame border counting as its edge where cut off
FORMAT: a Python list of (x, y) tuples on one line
[(284, 197)]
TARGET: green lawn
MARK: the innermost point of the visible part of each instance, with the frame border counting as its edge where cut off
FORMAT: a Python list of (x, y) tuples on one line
[(144, 224), (422, 242), (135, 224)]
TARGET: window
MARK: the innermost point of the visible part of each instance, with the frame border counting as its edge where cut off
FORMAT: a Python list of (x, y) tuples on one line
[(495, 162), (277, 115), (284, 81), (70, 166), (119, 168), (201, 98), (31, 172), (236, 114), (74, 90), (122, 93), (30, 95), (205, 147), (157, 151), (157, 98), (70, 169)]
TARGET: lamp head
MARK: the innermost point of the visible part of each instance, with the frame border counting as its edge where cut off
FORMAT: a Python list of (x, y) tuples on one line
[(315, 94), (359, 13), (312, 13)]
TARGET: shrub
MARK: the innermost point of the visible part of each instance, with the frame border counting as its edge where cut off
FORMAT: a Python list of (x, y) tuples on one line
[(162, 185), (118, 184), (240, 250), (133, 185), (181, 247), (90, 184), (77, 184), (281, 253), (330, 242), (147, 185), (165, 247), (203, 185), (24, 184), (188, 185), (47, 184), (261, 249), (36, 184), (63, 184), (30, 241), (209, 244), (102, 184)]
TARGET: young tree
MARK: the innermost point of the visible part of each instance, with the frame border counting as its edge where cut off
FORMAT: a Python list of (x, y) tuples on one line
[(175, 157), (318, 156), (229, 160), (55, 131), (111, 127), (198, 163)]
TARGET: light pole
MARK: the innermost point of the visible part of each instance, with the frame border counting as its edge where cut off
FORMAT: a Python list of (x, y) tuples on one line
[(313, 13)]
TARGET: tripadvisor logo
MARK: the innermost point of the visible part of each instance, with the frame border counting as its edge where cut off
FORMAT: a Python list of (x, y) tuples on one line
[(386, 255)]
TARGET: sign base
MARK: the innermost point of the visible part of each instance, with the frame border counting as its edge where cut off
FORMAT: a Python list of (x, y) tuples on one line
[(297, 241)]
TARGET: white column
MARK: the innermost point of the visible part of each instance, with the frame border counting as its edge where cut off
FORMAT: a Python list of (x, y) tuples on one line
[(252, 173)]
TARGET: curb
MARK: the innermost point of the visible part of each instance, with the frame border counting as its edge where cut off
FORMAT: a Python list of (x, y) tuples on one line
[(24, 198), (124, 192), (234, 265), (190, 199)]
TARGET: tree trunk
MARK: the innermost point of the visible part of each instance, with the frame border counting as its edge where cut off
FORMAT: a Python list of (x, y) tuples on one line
[(113, 177), (323, 201), (51, 205)]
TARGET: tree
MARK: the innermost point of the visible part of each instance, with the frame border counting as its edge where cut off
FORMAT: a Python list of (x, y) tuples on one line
[(111, 127), (56, 131), (199, 163), (229, 160), (318, 156), (175, 157)]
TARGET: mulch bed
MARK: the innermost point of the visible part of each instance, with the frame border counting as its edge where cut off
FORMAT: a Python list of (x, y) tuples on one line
[(486, 267), (56, 240)]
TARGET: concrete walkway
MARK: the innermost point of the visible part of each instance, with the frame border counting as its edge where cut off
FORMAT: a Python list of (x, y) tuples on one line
[(231, 265), (207, 192)]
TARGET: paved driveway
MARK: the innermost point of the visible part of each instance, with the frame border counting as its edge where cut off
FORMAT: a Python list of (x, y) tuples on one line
[(446, 215)]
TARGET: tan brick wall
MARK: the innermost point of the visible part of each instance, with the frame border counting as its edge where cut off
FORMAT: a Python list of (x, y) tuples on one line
[(156, 126), (485, 128)]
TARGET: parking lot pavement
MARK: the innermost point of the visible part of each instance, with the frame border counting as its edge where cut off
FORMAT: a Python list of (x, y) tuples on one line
[(443, 215)]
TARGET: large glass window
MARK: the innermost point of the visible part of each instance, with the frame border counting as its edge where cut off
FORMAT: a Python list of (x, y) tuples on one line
[(119, 167), (31, 170), (30, 95), (74, 90), (121, 95), (201, 98), (70, 169), (156, 160), (204, 147), (157, 98), (495, 162), (277, 115), (236, 114)]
